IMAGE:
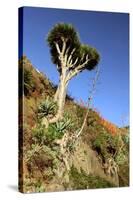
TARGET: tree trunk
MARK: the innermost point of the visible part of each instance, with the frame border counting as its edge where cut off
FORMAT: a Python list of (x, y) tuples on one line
[(56, 96), (60, 97)]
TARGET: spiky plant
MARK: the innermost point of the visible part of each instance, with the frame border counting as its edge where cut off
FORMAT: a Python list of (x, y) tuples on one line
[(47, 107), (63, 125)]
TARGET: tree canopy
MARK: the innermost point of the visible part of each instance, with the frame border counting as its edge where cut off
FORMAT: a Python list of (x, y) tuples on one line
[(64, 39)]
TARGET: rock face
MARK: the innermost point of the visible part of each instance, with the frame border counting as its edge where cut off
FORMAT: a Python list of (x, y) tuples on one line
[(85, 159)]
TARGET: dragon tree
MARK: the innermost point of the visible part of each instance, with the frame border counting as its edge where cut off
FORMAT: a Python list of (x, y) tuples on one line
[(70, 57)]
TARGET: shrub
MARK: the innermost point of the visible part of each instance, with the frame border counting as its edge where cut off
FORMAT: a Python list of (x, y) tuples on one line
[(28, 81), (84, 181), (31, 185), (39, 187), (39, 135), (93, 118), (123, 150), (43, 136), (105, 144), (80, 112), (42, 158), (120, 158), (124, 175), (125, 139), (35, 148)]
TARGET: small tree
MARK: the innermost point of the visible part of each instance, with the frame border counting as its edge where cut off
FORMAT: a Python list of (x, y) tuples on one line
[(71, 57)]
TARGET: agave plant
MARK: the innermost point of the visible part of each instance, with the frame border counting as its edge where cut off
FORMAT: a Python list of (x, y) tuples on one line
[(47, 107), (64, 124)]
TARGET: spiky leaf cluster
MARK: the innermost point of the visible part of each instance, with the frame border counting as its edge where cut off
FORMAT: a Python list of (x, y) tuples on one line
[(47, 107), (92, 55), (62, 125)]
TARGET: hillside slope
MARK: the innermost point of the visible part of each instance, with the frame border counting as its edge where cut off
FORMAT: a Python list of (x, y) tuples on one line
[(98, 160)]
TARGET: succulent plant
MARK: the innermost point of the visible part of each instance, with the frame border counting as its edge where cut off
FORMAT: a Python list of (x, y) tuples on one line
[(47, 107)]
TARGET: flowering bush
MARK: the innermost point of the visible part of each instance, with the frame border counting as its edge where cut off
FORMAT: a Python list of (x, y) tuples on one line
[(111, 128)]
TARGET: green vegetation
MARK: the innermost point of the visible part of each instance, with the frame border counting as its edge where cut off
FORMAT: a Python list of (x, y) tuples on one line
[(28, 81), (47, 107), (39, 135), (33, 186), (106, 144), (41, 159), (83, 181), (61, 126), (56, 130), (113, 147)]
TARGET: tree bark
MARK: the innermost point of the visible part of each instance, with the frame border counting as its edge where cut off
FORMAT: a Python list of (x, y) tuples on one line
[(60, 97), (56, 96)]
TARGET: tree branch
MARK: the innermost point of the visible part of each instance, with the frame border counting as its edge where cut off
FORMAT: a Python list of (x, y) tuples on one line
[(72, 64), (61, 52), (69, 58), (66, 55), (63, 46), (78, 69), (57, 47), (67, 50), (82, 57)]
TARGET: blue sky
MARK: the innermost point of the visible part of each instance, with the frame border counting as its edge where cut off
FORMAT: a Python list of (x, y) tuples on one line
[(108, 33)]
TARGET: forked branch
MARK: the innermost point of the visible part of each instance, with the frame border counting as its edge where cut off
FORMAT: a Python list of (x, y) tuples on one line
[(77, 69)]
